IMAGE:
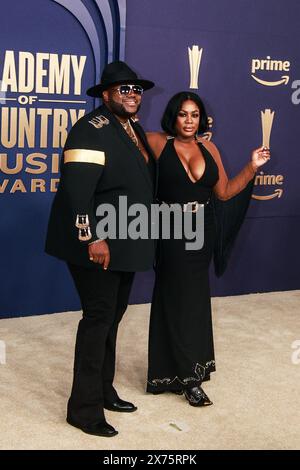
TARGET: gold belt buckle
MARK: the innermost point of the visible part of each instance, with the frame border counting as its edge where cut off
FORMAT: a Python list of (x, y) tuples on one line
[(191, 206)]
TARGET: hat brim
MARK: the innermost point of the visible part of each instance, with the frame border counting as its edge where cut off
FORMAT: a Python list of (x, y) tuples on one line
[(95, 91)]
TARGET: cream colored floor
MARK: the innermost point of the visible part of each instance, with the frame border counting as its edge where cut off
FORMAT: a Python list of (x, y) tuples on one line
[(255, 389)]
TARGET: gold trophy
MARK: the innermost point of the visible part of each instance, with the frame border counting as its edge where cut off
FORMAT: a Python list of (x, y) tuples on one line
[(267, 117), (195, 55)]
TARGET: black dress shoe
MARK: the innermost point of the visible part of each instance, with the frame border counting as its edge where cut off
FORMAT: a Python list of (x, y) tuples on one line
[(120, 405), (197, 397), (98, 429), (158, 392)]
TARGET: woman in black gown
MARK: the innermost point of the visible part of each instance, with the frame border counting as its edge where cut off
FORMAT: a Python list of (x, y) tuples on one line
[(181, 352)]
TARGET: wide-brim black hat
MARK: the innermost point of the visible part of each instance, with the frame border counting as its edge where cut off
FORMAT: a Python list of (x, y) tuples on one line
[(117, 73)]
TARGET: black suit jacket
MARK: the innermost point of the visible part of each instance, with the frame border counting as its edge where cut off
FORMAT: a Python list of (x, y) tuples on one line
[(100, 163)]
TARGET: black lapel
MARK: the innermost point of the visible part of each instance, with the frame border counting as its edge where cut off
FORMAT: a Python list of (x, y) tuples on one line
[(134, 151), (152, 160), (140, 131)]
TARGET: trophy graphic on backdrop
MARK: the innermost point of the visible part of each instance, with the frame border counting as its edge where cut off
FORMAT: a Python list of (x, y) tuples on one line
[(267, 117), (262, 179), (195, 55)]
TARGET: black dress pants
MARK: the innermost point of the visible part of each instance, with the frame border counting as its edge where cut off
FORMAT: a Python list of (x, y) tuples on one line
[(104, 298)]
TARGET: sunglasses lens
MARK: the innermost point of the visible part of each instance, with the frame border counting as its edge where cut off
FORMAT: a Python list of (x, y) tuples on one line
[(125, 89), (137, 89)]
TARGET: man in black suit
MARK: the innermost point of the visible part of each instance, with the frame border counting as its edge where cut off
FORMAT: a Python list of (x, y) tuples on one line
[(106, 156)]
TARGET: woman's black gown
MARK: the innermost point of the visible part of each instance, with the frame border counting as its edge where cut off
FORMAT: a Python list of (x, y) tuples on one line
[(181, 352)]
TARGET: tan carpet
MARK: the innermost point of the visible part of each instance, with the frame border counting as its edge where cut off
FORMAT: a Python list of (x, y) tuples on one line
[(255, 389)]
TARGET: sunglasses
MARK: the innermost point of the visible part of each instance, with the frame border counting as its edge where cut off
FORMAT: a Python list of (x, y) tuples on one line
[(124, 90)]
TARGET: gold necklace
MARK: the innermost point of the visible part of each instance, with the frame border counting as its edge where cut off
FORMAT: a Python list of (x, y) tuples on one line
[(129, 129)]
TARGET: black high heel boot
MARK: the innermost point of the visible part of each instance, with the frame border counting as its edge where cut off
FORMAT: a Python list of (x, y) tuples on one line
[(158, 392), (197, 397)]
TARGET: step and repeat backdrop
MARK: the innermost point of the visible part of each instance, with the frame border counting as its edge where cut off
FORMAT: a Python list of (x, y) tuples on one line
[(242, 58)]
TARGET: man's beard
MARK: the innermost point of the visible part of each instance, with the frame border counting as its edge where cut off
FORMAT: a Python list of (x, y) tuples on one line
[(119, 110)]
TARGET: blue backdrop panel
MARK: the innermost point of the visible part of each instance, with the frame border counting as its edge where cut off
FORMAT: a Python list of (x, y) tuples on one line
[(88, 31)]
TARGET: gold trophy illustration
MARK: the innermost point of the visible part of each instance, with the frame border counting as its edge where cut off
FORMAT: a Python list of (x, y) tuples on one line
[(195, 55), (267, 117)]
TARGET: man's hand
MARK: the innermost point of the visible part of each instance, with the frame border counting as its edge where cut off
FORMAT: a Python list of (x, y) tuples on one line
[(99, 253)]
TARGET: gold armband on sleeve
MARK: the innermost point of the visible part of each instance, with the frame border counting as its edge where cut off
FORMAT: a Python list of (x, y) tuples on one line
[(84, 156)]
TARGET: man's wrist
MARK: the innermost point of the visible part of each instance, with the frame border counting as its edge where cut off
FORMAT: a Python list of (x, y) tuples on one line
[(97, 241)]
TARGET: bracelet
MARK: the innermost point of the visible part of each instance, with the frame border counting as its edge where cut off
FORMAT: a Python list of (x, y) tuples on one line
[(97, 241)]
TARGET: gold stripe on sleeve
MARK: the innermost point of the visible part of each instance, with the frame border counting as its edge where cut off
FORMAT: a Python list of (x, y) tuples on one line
[(84, 156)]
